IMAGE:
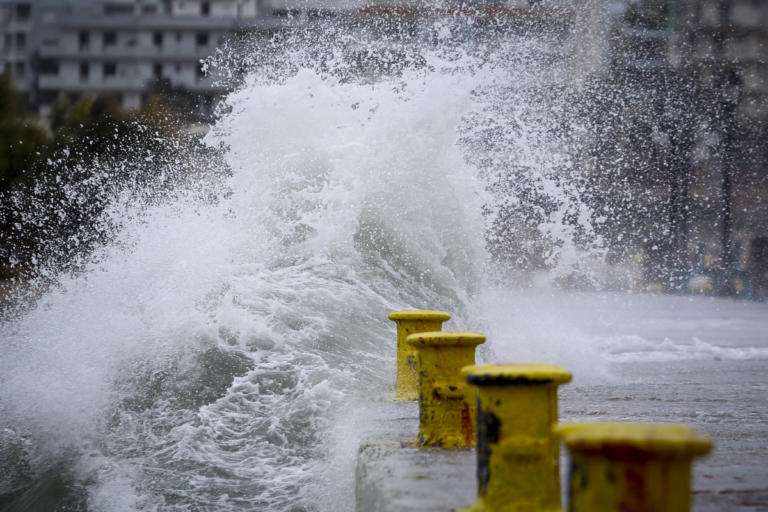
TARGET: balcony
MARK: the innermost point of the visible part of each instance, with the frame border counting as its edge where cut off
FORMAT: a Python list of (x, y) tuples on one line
[(106, 84), (14, 55), (16, 25), (744, 15), (745, 49), (126, 53), (118, 83)]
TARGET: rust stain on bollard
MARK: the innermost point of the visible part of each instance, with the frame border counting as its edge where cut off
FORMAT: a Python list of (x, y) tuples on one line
[(447, 406), (411, 322), (631, 467), (517, 453)]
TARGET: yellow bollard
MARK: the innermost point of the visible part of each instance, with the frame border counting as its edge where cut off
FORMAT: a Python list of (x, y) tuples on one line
[(518, 466), (632, 467), (410, 322), (446, 403)]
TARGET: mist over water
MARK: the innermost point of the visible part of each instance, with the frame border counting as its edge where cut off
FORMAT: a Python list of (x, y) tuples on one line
[(221, 354), (204, 357)]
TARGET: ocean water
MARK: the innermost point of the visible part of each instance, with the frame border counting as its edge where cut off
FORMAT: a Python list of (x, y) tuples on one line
[(215, 355)]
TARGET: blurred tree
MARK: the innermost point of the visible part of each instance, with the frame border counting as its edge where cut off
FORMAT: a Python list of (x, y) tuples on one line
[(97, 150), (678, 116), (23, 139), (188, 106), (728, 100), (645, 117), (99, 125)]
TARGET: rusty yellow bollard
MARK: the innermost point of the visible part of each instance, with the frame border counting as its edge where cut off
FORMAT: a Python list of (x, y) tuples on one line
[(631, 467), (446, 402), (411, 322), (518, 467)]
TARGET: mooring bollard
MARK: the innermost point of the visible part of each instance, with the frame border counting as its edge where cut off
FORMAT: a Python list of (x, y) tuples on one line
[(446, 403), (518, 467), (631, 466), (411, 322)]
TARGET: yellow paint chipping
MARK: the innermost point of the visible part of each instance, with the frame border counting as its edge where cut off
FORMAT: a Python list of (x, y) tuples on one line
[(447, 407), (410, 322), (523, 371), (643, 467), (518, 454)]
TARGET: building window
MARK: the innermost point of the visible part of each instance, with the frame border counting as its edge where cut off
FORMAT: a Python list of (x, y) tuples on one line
[(49, 67), (23, 11), (199, 74), (21, 40), (178, 37), (20, 69), (110, 38), (85, 70), (157, 39), (202, 39), (158, 70), (110, 69), (205, 8), (116, 9), (85, 40)]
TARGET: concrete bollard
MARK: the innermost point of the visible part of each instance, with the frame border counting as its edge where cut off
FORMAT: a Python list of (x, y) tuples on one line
[(518, 467), (447, 406), (411, 322), (631, 466)]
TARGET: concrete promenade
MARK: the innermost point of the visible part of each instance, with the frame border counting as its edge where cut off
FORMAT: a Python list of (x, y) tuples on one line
[(392, 476)]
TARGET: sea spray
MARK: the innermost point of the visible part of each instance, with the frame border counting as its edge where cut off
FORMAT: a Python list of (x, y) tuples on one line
[(212, 356)]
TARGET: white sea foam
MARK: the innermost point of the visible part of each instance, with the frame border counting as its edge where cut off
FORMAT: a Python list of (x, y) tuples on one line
[(638, 349), (203, 360), (218, 356)]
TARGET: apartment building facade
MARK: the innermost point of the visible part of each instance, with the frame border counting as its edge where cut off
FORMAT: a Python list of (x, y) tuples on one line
[(716, 36), (78, 48)]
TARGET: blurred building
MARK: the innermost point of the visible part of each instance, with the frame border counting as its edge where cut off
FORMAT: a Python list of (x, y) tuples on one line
[(689, 83), (124, 47), (711, 37), (723, 45)]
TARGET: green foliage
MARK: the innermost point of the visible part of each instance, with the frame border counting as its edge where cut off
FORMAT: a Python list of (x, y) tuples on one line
[(57, 184), (179, 100), (23, 140), (100, 126), (93, 126)]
